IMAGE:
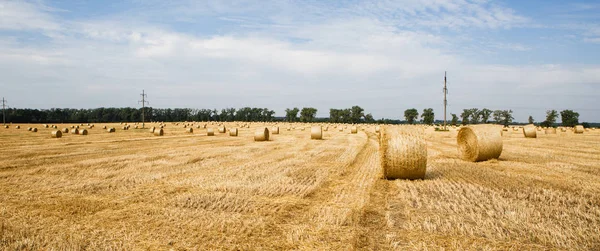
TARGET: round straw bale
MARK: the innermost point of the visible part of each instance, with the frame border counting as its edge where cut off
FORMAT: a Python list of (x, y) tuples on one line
[(275, 130), (190, 130), (45, 126), (479, 142), (341, 129), (316, 132), (210, 132), (74, 131), (402, 155), (377, 128), (6, 126), (261, 134), (289, 128), (550, 130), (65, 130), (325, 128), (29, 128), (302, 128), (18, 127), (222, 129), (56, 134), (34, 129), (578, 129), (233, 132), (159, 132), (529, 131), (353, 130), (83, 132), (112, 129), (104, 127), (135, 127), (504, 129), (152, 129), (562, 129)]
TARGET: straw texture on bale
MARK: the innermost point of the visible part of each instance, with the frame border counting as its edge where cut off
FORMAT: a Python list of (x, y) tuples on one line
[(233, 132), (261, 134), (56, 134), (210, 132), (479, 142), (403, 153), (353, 130), (83, 132), (578, 129), (222, 129), (190, 130), (550, 130), (529, 131), (112, 129), (275, 130), (159, 132), (316, 132)]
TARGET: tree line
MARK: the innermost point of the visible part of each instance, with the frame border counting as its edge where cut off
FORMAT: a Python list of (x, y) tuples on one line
[(354, 114)]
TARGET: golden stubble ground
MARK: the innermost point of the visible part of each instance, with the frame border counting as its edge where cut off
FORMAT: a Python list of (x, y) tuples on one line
[(130, 190)]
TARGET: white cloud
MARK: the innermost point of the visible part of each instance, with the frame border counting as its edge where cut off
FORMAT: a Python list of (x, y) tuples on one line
[(21, 15)]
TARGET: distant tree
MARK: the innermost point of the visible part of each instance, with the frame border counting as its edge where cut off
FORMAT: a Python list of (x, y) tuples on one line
[(530, 119), (410, 115), (345, 115), (569, 118), (475, 115), (428, 116), (369, 118), (291, 115), (484, 114), (506, 117), (551, 116), (585, 125), (465, 116), (357, 114), (334, 115), (307, 114), (497, 115), (454, 119)]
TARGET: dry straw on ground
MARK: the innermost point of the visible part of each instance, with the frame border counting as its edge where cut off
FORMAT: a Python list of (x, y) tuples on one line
[(56, 134), (210, 132), (578, 129), (316, 132), (403, 153), (261, 134), (479, 142), (159, 132), (233, 132), (529, 131)]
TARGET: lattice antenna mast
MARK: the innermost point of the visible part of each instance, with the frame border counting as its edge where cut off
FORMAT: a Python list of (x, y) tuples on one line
[(445, 100), (144, 102), (3, 111)]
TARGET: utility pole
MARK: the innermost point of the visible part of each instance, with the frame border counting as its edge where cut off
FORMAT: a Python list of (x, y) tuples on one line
[(3, 111), (445, 101), (144, 102)]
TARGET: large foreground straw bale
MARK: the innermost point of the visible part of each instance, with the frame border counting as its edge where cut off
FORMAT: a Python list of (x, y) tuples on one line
[(261, 134), (56, 134), (578, 129), (479, 142), (403, 153), (316, 132), (529, 131)]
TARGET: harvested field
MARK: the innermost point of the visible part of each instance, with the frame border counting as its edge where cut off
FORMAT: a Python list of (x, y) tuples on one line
[(131, 190)]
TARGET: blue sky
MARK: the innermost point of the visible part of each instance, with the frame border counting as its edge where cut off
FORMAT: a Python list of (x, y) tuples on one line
[(386, 56)]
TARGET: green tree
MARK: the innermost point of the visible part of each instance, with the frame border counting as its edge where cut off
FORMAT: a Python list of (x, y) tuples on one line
[(484, 114), (551, 116), (454, 119), (369, 118), (506, 117), (307, 114), (569, 118), (357, 114), (410, 115), (291, 115), (465, 116), (530, 119), (428, 116), (475, 115)]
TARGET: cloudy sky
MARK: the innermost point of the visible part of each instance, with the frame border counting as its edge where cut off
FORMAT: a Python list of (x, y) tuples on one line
[(385, 56)]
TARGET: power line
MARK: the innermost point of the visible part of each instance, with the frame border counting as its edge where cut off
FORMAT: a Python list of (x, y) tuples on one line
[(445, 101), (3, 111), (144, 102)]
